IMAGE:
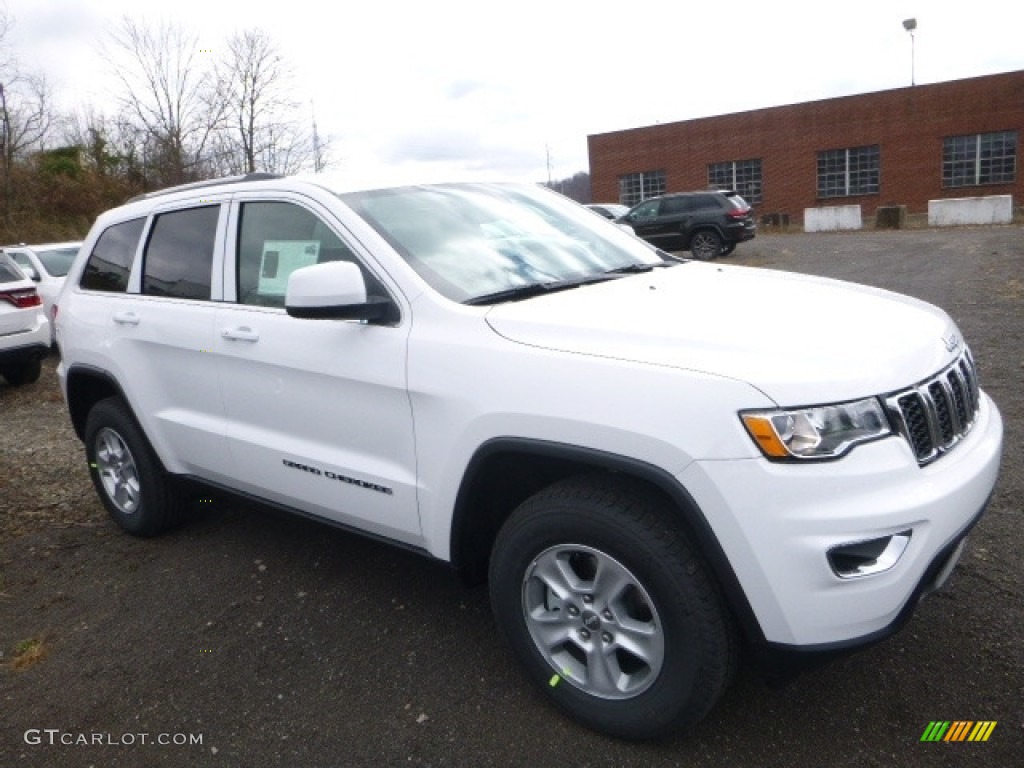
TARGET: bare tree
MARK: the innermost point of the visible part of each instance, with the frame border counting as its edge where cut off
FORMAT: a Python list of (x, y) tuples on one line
[(167, 95), (26, 115), (260, 130), (5, 26)]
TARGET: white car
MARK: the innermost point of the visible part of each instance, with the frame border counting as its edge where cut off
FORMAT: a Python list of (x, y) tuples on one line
[(24, 329), (47, 265), (613, 212), (656, 462)]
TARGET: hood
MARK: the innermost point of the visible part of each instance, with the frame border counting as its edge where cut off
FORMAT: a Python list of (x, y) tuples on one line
[(801, 340)]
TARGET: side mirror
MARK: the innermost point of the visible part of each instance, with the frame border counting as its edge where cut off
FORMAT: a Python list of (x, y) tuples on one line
[(30, 271), (334, 290)]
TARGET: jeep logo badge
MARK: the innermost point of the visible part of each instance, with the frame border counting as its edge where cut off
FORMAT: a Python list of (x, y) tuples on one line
[(951, 342)]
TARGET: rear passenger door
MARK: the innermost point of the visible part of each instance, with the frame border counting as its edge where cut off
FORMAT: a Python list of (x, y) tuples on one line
[(675, 219), (318, 416), (147, 300)]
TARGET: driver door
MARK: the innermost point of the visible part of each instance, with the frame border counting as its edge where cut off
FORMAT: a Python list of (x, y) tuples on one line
[(318, 416)]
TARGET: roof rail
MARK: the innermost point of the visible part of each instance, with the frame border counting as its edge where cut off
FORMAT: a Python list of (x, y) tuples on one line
[(207, 183)]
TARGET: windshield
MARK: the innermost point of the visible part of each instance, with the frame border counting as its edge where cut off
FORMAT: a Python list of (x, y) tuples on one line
[(473, 240), (57, 261)]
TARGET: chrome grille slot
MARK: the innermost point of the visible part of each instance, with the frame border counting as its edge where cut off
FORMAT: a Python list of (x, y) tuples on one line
[(943, 413), (935, 414)]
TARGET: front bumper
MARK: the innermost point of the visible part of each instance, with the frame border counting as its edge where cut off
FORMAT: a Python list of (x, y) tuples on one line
[(777, 522)]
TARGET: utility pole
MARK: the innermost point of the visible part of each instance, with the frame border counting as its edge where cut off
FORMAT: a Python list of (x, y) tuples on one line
[(317, 160)]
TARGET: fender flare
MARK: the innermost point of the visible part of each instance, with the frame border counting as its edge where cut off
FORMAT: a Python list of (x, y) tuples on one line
[(689, 512)]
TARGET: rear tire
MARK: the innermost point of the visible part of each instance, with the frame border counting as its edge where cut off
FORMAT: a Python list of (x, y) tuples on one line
[(610, 609), (128, 477), (705, 245), (24, 373)]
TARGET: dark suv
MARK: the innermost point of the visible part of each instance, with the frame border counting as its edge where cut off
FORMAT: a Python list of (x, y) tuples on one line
[(708, 224)]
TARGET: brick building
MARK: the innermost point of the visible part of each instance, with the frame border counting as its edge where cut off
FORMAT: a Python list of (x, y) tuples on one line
[(900, 147)]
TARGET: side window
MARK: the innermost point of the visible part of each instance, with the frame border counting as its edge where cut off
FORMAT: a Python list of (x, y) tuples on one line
[(9, 273), (275, 239), (647, 210), (111, 259), (675, 205), (179, 255), (23, 261)]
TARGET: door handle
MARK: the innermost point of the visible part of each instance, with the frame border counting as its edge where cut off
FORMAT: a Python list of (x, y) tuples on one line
[(243, 333), (126, 318)]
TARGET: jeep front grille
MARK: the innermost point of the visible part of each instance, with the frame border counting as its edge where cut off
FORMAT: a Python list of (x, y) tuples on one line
[(936, 413)]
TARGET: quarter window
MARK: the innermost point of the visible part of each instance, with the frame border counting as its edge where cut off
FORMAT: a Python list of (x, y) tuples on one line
[(636, 187), (983, 158), (111, 259), (846, 172), (743, 176), (179, 255)]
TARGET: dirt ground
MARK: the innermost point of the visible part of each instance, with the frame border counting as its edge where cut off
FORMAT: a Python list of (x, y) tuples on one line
[(252, 639)]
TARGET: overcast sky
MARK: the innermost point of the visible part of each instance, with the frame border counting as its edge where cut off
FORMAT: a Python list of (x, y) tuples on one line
[(418, 88)]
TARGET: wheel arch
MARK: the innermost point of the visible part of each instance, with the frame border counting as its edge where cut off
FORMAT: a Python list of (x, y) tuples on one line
[(86, 386), (505, 471)]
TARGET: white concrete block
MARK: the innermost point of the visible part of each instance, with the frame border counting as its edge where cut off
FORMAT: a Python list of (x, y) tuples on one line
[(832, 218), (993, 209)]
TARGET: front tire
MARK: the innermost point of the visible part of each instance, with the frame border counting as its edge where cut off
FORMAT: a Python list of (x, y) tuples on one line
[(705, 245), (606, 603), (127, 475)]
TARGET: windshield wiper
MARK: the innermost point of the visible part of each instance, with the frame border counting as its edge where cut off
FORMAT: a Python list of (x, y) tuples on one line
[(521, 292), (631, 269)]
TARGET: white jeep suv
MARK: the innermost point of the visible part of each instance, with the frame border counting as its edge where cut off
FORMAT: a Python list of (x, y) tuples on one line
[(657, 463)]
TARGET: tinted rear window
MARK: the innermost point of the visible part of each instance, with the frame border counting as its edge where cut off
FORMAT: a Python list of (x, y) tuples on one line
[(708, 202), (672, 205), (111, 259), (179, 254)]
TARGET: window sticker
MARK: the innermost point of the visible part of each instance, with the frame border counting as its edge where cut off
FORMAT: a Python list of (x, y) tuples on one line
[(280, 259)]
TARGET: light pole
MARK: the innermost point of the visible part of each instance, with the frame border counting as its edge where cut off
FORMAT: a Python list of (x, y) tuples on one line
[(910, 25)]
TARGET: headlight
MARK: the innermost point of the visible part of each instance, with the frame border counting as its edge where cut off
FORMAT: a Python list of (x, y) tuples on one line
[(821, 432)]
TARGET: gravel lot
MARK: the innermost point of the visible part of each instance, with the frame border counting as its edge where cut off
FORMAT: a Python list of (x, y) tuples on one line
[(276, 641)]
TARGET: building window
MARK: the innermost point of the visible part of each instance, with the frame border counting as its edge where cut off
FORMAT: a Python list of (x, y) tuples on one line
[(744, 176), (636, 187), (845, 172), (982, 158)]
